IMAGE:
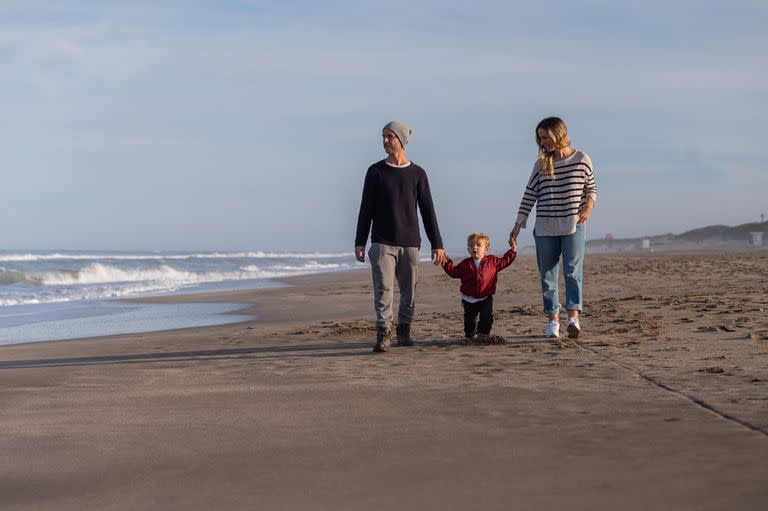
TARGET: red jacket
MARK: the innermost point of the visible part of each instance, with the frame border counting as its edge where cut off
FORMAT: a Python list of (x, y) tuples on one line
[(479, 282)]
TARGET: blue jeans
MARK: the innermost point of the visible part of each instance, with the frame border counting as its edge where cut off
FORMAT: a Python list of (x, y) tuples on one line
[(548, 252)]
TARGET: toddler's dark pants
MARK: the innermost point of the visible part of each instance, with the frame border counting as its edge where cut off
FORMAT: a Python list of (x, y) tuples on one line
[(483, 309)]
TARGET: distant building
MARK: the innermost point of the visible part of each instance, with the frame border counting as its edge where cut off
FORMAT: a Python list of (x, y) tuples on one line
[(757, 239)]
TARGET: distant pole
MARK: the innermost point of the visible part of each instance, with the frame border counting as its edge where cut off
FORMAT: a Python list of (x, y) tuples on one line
[(762, 217)]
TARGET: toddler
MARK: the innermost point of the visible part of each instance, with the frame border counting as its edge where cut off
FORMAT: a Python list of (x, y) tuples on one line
[(478, 275)]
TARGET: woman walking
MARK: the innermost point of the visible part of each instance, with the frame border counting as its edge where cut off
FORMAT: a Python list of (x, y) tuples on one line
[(562, 186)]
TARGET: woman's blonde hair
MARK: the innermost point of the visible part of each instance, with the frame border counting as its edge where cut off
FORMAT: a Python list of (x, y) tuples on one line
[(559, 133)]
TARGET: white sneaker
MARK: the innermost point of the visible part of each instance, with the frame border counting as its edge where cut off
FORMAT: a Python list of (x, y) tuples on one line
[(573, 328), (553, 328)]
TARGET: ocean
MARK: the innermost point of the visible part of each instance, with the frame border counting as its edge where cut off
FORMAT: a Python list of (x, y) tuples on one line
[(52, 295)]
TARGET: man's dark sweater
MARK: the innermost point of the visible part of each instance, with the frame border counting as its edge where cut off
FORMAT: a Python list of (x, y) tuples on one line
[(390, 197)]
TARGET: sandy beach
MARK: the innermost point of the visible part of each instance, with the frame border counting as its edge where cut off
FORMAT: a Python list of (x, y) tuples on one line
[(661, 404)]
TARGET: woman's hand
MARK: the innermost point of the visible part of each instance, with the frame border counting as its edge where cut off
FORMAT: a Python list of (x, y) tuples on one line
[(584, 210), (513, 234)]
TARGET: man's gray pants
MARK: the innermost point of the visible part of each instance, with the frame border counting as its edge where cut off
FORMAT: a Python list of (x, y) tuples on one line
[(387, 264)]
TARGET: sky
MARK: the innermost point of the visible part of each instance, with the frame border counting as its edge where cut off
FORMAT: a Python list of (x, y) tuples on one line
[(249, 125)]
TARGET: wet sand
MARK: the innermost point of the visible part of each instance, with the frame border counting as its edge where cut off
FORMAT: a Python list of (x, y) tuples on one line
[(662, 403)]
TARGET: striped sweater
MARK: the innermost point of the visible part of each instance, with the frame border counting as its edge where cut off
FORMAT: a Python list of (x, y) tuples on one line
[(558, 200)]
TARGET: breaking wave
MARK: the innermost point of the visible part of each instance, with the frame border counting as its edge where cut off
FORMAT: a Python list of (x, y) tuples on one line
[(160, 257), (97, 280)]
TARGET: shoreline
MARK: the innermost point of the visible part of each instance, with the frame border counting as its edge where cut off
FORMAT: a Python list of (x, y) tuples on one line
[(666, 389), (246, 296), (186, 298), (253, 300)]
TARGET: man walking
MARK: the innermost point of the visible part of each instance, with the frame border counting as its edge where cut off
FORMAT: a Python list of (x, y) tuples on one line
[(393, 189)]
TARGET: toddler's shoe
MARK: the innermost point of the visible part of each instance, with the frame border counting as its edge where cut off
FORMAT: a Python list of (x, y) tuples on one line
[(573, 328), (553, 328)]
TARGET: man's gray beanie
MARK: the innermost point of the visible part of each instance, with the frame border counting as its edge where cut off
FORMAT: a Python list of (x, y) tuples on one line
[(402, 130)]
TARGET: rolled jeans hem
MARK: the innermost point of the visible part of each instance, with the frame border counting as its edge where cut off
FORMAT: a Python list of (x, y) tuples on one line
[(549, 250)]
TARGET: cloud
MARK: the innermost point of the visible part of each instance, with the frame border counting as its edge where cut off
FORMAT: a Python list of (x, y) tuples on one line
[(293, 65), (124, 96)]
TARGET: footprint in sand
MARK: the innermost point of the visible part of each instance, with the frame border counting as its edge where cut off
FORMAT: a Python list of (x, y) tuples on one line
[(490, 340)]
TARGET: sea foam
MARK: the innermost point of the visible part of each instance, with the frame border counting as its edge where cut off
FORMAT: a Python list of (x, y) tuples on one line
[(52, 277), (152, 257)]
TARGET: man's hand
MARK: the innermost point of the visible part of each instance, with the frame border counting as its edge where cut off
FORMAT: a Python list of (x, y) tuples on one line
[(513, 234), (513, 244), (438, 257), (360, 253)]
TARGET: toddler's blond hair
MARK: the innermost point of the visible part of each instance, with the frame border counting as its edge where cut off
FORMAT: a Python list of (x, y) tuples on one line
[(478, 236)]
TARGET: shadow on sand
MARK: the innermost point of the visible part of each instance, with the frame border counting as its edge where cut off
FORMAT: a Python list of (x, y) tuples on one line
[(349, 349)]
